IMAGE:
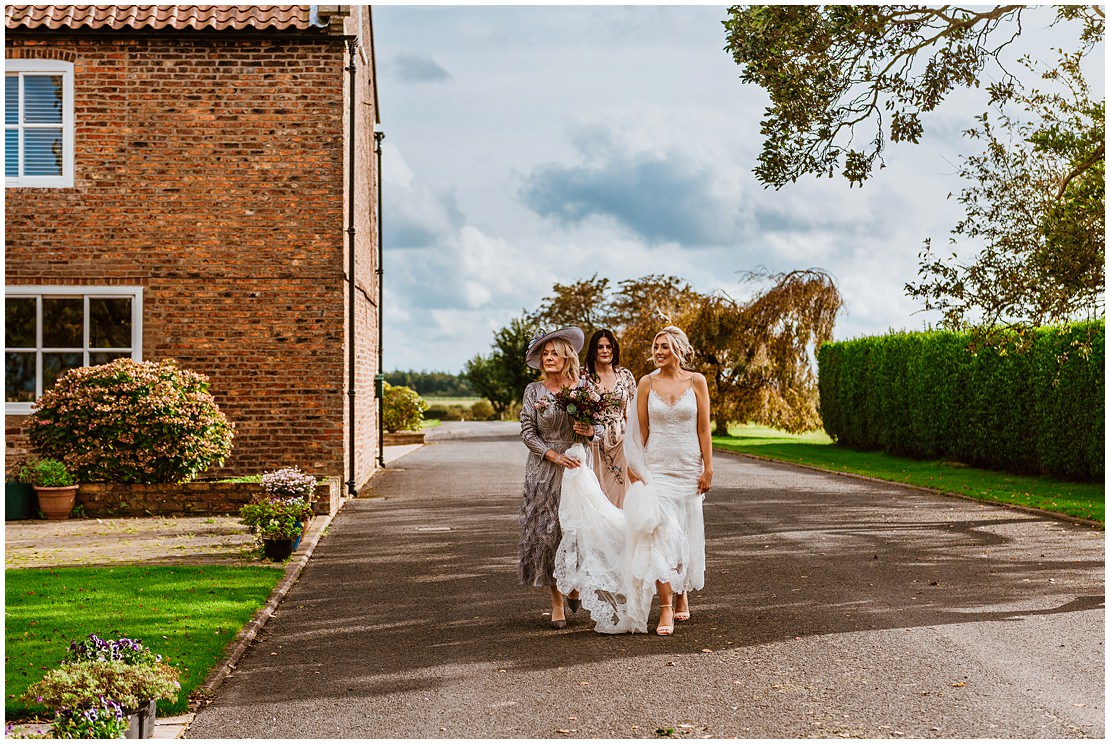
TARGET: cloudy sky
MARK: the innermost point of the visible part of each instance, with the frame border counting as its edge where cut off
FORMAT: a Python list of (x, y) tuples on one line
[(530, 145)]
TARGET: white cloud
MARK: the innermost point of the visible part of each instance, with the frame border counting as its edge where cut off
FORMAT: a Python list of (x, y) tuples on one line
[(648, 139)]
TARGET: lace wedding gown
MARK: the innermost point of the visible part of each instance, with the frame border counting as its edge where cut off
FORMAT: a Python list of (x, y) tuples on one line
[(613, 557), (673, 457)]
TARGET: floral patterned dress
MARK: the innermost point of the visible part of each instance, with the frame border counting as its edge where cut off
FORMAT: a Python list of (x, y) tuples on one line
[(543, 426), (607, 446)]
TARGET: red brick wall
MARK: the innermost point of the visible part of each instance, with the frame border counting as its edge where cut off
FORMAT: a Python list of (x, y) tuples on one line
[(186, 499), (210, 170)]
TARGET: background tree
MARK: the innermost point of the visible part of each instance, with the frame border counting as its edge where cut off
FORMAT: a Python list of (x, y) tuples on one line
[(432, 383), (758, 357), (502, 376), (640, 309), (831, 69), (1038, 205), (582, 303)]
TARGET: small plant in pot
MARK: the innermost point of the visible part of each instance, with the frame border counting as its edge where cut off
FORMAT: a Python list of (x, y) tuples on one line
[(98, 674), (278, 522), (54, 484), (107, 720)]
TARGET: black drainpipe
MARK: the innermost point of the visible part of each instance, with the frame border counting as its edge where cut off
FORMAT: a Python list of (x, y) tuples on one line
[(379, 389), (352, 487)]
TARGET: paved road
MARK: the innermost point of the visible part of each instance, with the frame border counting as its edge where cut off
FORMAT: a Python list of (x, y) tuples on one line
[(834, 607)]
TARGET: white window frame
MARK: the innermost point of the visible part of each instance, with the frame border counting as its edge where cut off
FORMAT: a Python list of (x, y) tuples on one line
[(51, 66), (135, 294)]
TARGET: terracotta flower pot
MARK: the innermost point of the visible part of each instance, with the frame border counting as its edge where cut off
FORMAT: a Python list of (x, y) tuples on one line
[(56, 503)]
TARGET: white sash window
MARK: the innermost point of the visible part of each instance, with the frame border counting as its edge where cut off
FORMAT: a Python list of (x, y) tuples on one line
[(38, 123), (51, 330)]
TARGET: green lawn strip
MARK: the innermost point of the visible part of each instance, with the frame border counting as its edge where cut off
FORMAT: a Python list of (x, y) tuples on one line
[(1083, 500), (188, 614)]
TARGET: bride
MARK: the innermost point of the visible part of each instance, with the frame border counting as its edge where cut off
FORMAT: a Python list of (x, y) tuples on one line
[(618, 560)]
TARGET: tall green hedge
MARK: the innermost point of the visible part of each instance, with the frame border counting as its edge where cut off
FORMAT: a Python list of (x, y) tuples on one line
[(929, 395)]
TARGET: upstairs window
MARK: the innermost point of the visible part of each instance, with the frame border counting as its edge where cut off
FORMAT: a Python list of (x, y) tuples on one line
[(38, 123), (51, 330)]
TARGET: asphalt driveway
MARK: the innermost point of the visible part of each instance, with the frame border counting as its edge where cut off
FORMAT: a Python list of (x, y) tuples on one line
[(833, 607)]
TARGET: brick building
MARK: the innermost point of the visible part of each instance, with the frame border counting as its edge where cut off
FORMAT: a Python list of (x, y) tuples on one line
[(177, 183)]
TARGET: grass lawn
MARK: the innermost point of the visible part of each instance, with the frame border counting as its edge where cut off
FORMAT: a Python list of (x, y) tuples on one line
[(188, 614), (1085, 500)]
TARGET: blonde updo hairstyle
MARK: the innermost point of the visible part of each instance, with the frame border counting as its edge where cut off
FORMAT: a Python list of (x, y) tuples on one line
[(680, 345), (571, 365)]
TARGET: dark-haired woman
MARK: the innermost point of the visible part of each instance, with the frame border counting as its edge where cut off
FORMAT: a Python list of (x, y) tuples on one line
[(603, 367)]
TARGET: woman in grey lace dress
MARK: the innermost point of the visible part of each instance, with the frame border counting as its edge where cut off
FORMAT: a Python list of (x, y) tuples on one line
[(548, 432)]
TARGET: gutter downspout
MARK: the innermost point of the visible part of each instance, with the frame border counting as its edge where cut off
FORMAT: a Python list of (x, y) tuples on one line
[(352, 487), (380, 387)]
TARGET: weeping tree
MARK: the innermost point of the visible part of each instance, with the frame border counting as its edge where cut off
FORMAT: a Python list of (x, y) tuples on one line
[(758, 356), (640, 308)]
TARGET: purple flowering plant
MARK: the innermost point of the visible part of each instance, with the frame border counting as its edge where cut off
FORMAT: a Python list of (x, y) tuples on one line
[(127, 650), (104, 721), (284, 506), (99, 676), (287, 482)]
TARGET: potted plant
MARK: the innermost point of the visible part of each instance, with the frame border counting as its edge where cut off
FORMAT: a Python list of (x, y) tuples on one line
[(278, 522), (286, 483), (104, 721), (54, 485), (97, 671), (19, 495)]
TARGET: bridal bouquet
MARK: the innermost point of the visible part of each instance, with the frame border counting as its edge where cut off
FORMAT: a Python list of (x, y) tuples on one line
[(586, 403)]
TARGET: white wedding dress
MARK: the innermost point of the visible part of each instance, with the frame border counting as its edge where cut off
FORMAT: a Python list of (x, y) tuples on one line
[(613, 557)]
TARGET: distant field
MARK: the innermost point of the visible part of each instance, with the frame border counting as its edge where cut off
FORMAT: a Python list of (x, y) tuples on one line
[(445, 401)]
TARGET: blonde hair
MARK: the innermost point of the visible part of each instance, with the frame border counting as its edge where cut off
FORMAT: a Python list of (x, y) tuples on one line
[(563, 349), (680, 345)]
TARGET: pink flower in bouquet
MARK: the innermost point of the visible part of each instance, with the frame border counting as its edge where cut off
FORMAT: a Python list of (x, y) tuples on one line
[(586, 403)]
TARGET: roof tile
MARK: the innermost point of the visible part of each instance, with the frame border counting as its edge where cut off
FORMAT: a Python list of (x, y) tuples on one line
[(181, 17)]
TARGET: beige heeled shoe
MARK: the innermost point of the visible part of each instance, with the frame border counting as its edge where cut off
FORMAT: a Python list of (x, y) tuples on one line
[(661, 629), (681, 616)]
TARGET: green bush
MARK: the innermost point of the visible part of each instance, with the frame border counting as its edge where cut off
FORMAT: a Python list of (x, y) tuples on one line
[(131, 422), (46, 473), (81, 684), (402, 408), (482, 410), (1033, 408), (449, 412), (275, 518)]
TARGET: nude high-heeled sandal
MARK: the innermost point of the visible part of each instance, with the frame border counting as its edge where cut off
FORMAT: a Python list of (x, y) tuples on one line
[(661, 629)]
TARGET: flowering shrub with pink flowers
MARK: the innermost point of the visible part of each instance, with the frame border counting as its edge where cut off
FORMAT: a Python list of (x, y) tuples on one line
[(131, 422)]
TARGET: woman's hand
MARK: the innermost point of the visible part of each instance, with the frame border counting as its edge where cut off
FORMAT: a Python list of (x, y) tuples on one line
[(565, 460), (705, 481), (584, 430)]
